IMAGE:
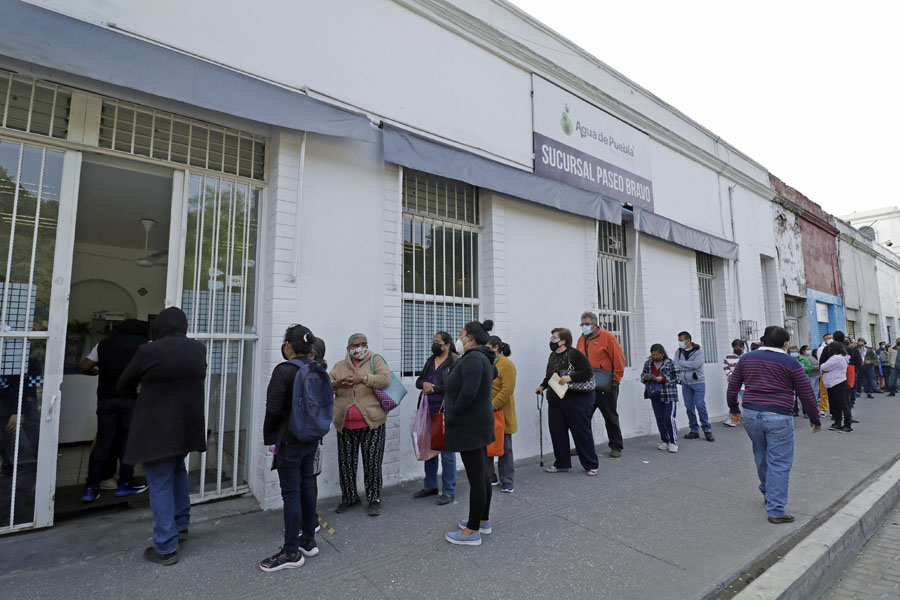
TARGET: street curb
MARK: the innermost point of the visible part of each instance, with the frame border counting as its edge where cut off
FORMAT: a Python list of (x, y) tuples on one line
[(810, 568)]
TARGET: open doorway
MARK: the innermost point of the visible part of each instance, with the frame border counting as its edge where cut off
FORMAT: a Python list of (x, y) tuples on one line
[(119, 273)]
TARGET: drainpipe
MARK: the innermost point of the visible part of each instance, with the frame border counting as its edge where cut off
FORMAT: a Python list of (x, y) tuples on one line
[(295, 270), (737, 280)]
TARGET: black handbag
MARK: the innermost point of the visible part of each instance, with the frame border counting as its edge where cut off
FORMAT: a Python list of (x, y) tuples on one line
[(603, 380)]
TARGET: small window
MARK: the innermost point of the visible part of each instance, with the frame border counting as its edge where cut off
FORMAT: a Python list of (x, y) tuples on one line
[(34, 106), (705, 282), (143, 131)]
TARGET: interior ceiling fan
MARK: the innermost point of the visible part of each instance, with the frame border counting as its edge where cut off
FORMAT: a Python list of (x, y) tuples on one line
[(150, 259)]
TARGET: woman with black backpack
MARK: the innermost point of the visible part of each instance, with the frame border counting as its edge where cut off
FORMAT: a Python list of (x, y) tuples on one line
[(660, 381)]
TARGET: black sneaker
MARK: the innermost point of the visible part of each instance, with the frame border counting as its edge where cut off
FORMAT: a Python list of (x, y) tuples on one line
[(374, 508), (692, 436), (846, 429), (308, 547), (853, 421), (282, 561), (834, 427), (709, 436), (423, 493), (345, 506), (161, 559), (444, 499)]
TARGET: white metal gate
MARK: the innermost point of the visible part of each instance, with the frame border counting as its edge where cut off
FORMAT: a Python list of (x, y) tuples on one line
[(219, 296), (37, 201)]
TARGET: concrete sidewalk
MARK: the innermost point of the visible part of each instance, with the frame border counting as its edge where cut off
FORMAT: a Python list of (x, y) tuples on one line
[(652, 525)]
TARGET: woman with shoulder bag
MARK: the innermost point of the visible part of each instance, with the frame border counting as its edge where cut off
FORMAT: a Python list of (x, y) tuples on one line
[(431, 382), (359, 419), (661, 388), (573, 412)]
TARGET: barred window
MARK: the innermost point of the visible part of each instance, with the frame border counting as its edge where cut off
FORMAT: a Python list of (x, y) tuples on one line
[(441, 224), (851, 329), (612, 284), (705, 279), (134, 129), (34, 106)]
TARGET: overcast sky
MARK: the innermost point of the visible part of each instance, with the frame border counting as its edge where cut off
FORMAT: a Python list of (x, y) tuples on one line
[(807, 89)]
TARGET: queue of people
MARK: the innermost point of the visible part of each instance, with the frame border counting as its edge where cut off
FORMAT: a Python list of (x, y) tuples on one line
[(466, 381)]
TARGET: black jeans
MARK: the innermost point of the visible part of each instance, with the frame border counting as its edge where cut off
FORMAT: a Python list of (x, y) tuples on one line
[(839, 403), (572, 413), (475, 462), (298, 492), (607, 403), (113, 422)]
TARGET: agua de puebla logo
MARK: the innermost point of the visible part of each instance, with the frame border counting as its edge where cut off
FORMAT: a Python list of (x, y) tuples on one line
[(566, 122)]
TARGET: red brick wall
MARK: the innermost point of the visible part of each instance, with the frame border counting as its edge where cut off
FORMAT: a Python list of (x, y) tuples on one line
[(819, 236)]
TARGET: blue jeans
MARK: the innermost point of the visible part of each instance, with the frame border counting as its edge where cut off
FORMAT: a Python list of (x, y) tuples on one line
[(772, 436), (295, 465), (448, 473), (169, 500), (695, 399)]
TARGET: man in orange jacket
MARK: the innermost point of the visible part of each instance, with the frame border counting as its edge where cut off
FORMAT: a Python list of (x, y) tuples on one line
[(604, 352)]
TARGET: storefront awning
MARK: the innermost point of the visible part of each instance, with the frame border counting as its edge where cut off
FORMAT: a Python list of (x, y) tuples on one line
[(48, 39), (682, 235), (409, 150)]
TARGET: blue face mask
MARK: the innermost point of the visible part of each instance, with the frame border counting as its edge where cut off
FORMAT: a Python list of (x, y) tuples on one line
[(795, 354), (682, 345), (586, 329)]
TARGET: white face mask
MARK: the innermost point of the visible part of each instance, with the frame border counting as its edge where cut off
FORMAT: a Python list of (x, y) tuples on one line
[(459, 346), (586, 329), (359, 353)]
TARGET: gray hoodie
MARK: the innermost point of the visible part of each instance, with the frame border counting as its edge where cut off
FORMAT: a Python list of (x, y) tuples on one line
[(689, 364)]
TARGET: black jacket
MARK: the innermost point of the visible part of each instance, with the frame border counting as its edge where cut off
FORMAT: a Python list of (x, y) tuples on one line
[(437, 398), (168, 414), (279, 398), (468, 413), (559, 363), (115, 352)]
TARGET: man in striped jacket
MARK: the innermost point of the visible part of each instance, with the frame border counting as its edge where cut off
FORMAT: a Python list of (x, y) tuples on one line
[(770, 379)]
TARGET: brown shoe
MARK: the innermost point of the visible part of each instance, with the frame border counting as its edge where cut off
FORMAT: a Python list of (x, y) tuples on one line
[(785, 519), (615, 453)]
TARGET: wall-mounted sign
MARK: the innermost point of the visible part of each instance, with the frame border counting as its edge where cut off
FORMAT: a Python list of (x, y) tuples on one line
[(579, 144)]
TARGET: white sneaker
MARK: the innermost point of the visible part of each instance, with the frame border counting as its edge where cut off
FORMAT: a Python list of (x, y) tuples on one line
[(728, 423), (663, 446), (822, 413), (109, 484), (673, 448)]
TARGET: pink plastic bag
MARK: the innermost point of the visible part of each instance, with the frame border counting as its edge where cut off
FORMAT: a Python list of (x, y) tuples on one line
[(421, 431)]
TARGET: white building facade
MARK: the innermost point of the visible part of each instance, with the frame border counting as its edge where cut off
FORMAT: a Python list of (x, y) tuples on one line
[(390, 190)]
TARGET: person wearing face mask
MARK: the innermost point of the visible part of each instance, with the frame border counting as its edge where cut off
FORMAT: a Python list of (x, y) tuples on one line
[(359, 420), (731, 361), (794, 352), (689, 361), (866, 381), (660, 381), (884, 367), (573, 412), (469, 427), (294, 460), (894, 361), (431, 382), (503, 398), (813, 373), (821, 356), (604, 352), (771, 379)]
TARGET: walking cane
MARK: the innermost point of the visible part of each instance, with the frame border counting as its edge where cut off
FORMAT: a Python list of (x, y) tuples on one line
[(540, 407)]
